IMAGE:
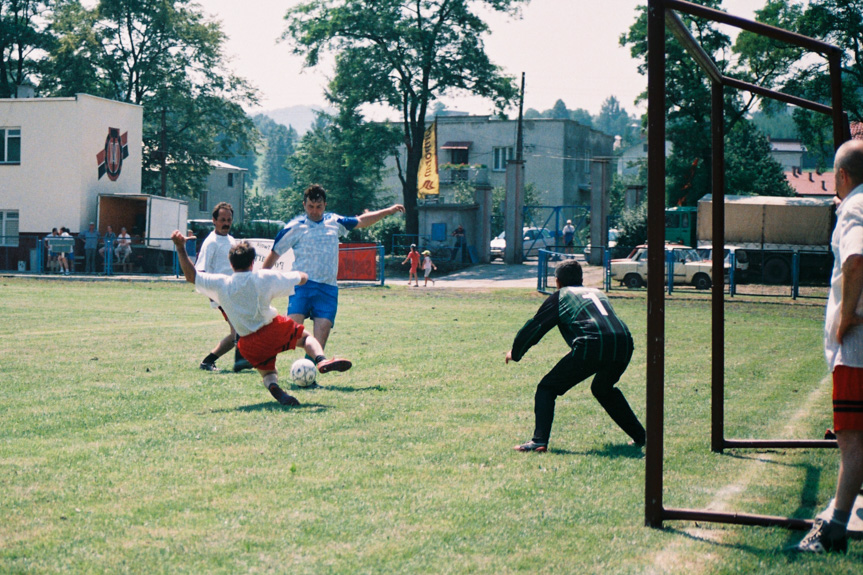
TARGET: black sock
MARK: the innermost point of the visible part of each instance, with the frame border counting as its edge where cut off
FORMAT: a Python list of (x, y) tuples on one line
[(319, 359), (210, 358)]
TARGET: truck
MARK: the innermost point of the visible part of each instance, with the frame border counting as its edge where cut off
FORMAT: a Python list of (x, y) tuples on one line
[(150, 220), (767, 230)]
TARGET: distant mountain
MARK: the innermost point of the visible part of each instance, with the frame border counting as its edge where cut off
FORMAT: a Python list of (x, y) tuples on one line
[(300, 118)]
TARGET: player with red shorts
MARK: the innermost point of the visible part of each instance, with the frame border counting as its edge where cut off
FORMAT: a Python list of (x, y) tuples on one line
[(246, 299)]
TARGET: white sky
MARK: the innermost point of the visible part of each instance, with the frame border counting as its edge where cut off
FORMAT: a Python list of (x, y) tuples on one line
[(568, 49)]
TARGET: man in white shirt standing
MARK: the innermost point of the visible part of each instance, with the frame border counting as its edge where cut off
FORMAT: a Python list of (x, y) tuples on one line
[(213, 259), (245, 298), (843, 346)]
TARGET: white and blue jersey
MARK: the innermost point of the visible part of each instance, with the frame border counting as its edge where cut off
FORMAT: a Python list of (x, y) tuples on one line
[(315, 244)]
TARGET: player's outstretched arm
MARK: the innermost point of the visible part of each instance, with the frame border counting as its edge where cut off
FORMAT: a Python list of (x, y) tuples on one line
[(185, 263), (270, 260), (369, 218)]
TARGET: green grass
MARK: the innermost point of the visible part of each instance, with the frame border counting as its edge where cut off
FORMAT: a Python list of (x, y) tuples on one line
[(117, 455)]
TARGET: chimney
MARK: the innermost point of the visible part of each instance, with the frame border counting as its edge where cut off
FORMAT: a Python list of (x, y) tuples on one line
[(810, 177), (823, 185)]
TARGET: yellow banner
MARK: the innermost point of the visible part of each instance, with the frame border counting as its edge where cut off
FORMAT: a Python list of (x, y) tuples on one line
[(427, 178)]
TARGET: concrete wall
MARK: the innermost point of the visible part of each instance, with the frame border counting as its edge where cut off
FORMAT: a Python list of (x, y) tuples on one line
[(57, 181)]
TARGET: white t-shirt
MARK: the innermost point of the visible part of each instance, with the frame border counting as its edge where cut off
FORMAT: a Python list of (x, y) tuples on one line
[(246, 296), (213, 255), (847, 240)]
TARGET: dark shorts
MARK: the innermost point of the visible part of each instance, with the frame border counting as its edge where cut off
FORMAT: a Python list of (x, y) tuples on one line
[(262, 347), (847, 398)]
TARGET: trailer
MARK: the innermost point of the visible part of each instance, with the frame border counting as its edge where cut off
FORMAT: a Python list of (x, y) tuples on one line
[(150, 220), (772, 230)]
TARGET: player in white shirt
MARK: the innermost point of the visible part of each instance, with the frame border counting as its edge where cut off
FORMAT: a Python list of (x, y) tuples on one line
[(246, 299), (213, 258)]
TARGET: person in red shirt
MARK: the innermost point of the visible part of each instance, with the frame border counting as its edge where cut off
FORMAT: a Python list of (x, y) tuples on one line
[(414, 258)]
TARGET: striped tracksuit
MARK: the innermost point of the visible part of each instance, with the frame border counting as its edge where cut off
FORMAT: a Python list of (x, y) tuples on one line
[(601, 346)]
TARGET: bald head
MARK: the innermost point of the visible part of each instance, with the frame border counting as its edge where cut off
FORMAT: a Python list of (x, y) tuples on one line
[(848, 167)]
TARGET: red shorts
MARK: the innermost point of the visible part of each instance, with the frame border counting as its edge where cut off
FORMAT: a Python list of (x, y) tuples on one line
[(262, 347), (847, 398)]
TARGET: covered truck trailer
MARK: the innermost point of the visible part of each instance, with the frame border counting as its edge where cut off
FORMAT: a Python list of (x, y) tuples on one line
[(150, 220), (771, 230)]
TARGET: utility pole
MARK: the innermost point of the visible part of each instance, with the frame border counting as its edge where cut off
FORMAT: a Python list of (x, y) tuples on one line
[(514, 205), (163, 155)]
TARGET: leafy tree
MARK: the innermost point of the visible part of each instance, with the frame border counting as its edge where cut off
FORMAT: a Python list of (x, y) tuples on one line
[(749, 167), (581, 116), (280, 143), (166, 56), (23, 36), (687, 88), (404, 54), (559, 111), (615, 121), (345, 156), (840, 23)]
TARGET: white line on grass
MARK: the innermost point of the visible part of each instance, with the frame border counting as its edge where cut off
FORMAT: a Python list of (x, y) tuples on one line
[(678, 557)]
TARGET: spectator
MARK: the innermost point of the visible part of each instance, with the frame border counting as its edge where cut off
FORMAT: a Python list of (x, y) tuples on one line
[(124, 246), (568, 237), (414, 258), (67, 255), (427, 267), (53, 254), (109, 242), (460, 244), (90, 237)]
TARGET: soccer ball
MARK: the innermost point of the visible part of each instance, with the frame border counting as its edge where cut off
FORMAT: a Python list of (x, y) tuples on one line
[(304, 372)]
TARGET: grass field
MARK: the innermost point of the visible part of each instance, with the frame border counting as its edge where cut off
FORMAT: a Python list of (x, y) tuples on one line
[(118, 455)]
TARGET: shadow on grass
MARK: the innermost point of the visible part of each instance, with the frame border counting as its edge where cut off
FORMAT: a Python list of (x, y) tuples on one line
[(275, 406), (608, 450), (344, 388)]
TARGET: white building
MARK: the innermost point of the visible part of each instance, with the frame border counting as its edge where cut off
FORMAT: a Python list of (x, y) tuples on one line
[(226, 183), (558, 155), (59, 154)]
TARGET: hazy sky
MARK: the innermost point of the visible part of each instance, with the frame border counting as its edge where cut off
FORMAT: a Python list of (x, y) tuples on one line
[(568, 50)]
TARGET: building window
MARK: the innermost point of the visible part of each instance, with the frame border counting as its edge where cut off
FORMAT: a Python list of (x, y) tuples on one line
[(231, 180), (8, 227), (459, 156), (202, 201), (10, 146), (501, 157)]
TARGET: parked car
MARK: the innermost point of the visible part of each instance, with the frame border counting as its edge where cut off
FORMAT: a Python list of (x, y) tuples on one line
[(741, 261), (688, 268), (612, 241), (535, 239)]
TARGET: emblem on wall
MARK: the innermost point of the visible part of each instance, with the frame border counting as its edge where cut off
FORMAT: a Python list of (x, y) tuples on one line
[(111, 158)]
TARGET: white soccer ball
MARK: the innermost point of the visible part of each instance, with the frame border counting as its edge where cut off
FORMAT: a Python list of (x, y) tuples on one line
[(304, 372)]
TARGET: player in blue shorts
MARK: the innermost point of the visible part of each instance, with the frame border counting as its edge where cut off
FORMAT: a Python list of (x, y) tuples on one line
[(314, 237)]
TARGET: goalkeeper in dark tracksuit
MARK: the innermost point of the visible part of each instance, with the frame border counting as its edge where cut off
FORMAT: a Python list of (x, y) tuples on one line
[(601, 345)]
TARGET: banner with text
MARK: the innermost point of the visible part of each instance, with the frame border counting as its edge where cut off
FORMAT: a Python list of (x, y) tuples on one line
[(427, 177)]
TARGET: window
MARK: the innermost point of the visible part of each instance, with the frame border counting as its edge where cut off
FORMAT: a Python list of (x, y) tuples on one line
[(231, 180), (459, 156), (202, 201), (501, 157), (8, 227), (10, 146)]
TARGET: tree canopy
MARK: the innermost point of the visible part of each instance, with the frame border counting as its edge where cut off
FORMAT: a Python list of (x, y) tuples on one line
[(688, 97), (404, 54), (166, 56)]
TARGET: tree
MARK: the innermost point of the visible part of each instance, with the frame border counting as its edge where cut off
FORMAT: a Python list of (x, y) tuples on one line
[(559, 111), (279, 144), (838, 22), (344, 155), (404, 54), (615, 121), (23, 36), (166, 56), (688, 98)]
